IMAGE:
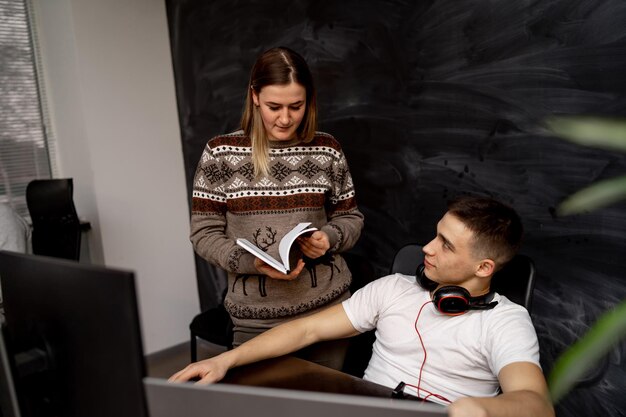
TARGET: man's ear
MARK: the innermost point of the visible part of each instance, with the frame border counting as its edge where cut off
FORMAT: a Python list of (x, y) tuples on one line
[(486, 268)]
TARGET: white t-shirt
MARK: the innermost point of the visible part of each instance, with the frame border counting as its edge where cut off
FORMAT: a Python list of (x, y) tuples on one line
[(464, 353)]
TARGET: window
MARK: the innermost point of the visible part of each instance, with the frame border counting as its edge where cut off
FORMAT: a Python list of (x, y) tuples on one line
[(24, 148)]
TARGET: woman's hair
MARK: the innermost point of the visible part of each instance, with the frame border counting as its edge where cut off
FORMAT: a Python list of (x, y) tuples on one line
[(277, 66), (497, 227)]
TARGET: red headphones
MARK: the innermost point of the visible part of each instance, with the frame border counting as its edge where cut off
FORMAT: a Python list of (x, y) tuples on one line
[(452, 299)]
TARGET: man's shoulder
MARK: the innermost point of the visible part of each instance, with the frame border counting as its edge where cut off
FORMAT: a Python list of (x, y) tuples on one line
[(395, 282), (507, 314), (506, 305)]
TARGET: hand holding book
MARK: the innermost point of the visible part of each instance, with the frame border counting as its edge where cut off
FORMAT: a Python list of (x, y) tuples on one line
[(273, 273), (284, 248), (315, 245)]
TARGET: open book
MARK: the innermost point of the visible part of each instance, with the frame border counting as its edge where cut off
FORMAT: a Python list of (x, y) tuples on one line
[(284, 247)]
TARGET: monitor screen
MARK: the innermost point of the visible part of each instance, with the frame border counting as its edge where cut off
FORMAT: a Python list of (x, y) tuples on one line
[(72, 337)]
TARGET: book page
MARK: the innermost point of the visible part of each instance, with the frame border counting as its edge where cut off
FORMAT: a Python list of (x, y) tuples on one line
[(285, 244), (244, 243)]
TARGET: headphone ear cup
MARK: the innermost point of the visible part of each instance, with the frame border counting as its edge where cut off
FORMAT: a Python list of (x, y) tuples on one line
[(452, 300)]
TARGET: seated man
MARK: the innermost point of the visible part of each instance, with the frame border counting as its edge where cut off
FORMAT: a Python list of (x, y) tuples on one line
[(448, 355)]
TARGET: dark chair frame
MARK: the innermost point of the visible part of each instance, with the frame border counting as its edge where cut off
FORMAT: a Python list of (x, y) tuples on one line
[(56, 226), (213, 325)]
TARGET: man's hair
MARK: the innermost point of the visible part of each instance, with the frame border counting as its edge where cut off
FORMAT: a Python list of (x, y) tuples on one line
[(497, 227)]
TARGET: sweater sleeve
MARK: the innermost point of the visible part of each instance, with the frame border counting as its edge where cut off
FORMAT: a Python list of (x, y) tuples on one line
[(208, 218), (345, 221)]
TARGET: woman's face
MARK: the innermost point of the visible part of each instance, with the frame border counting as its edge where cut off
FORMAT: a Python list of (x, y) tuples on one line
[(282, 108)]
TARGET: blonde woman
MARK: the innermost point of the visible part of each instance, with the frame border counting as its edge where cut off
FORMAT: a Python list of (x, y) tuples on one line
[(261, 181)]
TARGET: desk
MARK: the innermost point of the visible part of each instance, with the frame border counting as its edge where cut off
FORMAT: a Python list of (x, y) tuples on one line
[(293, 373)]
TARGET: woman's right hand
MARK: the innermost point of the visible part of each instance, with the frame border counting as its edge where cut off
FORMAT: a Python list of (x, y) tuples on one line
[(265, 269)]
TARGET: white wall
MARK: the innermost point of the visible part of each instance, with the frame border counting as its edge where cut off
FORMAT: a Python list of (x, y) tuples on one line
[(110, 84)]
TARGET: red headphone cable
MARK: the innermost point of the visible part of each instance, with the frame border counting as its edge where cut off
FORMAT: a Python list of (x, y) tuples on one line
[(419, 380)]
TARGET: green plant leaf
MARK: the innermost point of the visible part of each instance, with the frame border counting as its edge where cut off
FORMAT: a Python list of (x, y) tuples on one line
[(583, 355), (595, 196), (590, 131)]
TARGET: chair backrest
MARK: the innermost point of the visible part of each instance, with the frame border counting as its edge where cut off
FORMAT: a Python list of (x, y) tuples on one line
[(56, 226), (516, 280)]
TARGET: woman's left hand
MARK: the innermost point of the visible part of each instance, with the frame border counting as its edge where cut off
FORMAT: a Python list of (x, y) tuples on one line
[(265, 269), (315, 245)]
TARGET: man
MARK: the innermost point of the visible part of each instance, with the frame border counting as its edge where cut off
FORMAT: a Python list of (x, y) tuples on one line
[(458, 358)]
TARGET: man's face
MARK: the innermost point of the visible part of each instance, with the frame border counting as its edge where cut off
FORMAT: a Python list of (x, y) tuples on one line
[(448, 257)]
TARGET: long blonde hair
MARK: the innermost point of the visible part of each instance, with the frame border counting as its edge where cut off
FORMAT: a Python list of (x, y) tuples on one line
[(277, 66)]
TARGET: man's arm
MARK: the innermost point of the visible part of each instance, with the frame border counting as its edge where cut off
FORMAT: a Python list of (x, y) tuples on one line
[(331, 323), (524, 393)]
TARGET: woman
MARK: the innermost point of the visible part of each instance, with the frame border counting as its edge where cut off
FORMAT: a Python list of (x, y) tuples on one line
[(261, 181)]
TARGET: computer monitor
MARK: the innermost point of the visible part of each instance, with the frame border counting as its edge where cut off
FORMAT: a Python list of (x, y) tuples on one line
[(8, 397), (190, 400), (73, 338)]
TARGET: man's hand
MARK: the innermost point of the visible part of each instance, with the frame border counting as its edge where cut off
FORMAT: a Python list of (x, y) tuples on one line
[(208, 371), (315, 245), (265, 269)]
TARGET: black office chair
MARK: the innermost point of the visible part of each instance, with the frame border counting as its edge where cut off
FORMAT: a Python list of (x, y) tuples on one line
[(56, 226), (213, 325), (516, 281)]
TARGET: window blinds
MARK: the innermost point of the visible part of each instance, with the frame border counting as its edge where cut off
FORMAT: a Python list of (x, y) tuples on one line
[(24, 152)]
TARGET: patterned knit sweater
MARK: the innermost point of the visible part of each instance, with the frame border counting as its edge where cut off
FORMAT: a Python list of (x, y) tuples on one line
[(306, 183)]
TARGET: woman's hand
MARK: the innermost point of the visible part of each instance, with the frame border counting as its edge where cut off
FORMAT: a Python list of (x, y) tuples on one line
[(265, 269), (315, 245)]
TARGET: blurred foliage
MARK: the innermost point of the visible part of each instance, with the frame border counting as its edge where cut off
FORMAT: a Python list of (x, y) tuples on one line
[(583, 355), (599, 133), (610, 328)]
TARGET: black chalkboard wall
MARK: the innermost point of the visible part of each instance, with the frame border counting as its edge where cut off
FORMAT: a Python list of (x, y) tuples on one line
[(435, 99)]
